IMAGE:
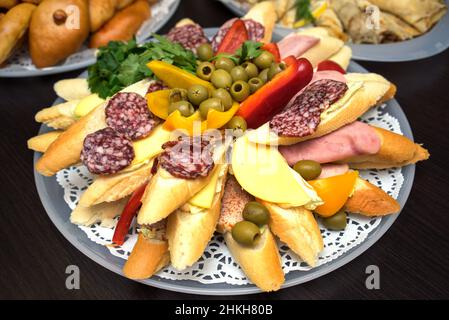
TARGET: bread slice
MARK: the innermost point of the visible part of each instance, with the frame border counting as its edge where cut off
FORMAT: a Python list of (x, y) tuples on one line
[(72, 89), (395, 151), (104, 213), (189, 233), (60, 116), (369, 200), (265, 13), (41, 142), (373, 90), (147, 258), (298, 229), (261, 263), (117, 186)]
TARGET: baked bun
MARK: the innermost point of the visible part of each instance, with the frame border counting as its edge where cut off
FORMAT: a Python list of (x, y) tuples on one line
[(100, 11), (41, 142)]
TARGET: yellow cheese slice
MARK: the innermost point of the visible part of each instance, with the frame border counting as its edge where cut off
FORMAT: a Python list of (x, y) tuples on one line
[(263, 172), (87, 104), (205, 197)]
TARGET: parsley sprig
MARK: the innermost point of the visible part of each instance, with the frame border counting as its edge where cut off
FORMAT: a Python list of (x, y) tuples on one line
[(248, 51), (303, 10)]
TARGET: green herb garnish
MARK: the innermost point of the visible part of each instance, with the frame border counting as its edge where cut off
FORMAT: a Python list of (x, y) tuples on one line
[(120, 64), (303, 10), (248, 51)]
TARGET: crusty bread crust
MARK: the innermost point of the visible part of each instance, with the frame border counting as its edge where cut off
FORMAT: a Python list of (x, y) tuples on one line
[(117, 186), (103, 213), (148, 257), (262, 263), (264, 13), (395, 151), (189, 233), (60, 116), (369, 200), (66, 150), (165, 193), (298, 229), (41, 142)]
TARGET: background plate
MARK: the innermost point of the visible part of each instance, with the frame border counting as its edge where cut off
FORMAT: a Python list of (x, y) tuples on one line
[(427, 45), (20, 64), (52, 197)]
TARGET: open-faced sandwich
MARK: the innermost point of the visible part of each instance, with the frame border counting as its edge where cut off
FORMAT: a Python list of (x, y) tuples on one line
[(189, 146)]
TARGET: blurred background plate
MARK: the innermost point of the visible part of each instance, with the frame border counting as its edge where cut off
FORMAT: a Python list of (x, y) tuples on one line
[(20, 65), (425, 46)]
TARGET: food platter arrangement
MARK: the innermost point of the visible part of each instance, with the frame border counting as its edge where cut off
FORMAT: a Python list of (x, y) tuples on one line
[(54, 36), (229, 158), (376, 30)]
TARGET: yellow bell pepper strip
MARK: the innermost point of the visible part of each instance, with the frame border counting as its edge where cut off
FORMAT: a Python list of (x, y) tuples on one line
[(158, 103), (334, 191), (315, 14), (177, 121), (175, 77), (217, 119)]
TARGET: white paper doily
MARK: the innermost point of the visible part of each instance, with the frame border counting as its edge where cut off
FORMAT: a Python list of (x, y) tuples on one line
[(216, 264)]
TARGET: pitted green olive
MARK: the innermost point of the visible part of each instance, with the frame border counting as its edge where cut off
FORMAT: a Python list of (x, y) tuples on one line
[(336, 222), (255, 84), (308, 169), (221, 79), (240, 90), (264, 60), (205, 52), (224, 64), (239, 73), (256, 213), (185, 108), (224, 96), (237, 123), (246, 233), (251, 69), (205, 70), (211, 103), (197, 94)]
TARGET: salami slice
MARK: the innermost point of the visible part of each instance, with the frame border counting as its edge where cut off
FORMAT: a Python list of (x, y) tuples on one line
[(190, 36), (187, 158), (303, 115), (106, 151), (256, 31), (156, 86), (128, 113)]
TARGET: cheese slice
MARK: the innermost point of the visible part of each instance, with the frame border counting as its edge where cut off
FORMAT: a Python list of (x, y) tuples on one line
[(205, 197), (263, 172), (87, 104)]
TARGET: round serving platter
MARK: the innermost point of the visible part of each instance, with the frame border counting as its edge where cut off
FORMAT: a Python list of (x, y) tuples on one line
[(429, 44), (52, 197), (20, 65)]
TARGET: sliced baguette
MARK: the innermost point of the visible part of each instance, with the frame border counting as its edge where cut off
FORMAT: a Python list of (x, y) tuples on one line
[(369, 200), (104, 213), (298, 229), (265, 13), (41, 142), (60, 116), (147, 258), (117, 186), (396, 151), (189, 233), (261, 263)]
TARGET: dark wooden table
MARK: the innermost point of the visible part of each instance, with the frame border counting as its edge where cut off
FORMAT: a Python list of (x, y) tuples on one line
[(413, 256)]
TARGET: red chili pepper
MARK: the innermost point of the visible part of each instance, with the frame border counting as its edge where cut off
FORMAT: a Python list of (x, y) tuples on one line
[(273, 49), (234, 38), (269, 100), (330, 65), (128, 213)]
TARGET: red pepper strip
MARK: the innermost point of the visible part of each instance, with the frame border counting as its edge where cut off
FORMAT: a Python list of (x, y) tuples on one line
[(330, 65), (269, 100), (128, 213), (273, 49), (234, 38)]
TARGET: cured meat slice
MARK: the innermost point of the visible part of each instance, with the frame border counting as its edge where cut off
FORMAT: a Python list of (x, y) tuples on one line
[(128, 113), (106, 151), (256, 31), (190, 36)]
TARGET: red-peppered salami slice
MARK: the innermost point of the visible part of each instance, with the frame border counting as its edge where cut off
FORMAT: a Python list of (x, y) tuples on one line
[(256, 31), (156, 86), (190, 36), (302, 116), (187, 158), (106, 151), (128, 113)]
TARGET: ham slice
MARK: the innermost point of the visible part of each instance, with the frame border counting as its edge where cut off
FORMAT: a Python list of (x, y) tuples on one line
[(330, 170), (351, 140), (296, 45)]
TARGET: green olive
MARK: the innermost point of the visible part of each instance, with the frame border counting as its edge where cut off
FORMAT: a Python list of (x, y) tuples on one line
[(205, 70), (184, 107), (221, 79), (239, 73), (251, 69), (240, 90), (264, 60), (263, 75), (205, 52), (275, 68), (255, 84), (224, 63), (197, 94), (246, 233), (256, 213), (177, 95), (224, 96), (237, 123), (211, 103), (336, 222), (308, 169)]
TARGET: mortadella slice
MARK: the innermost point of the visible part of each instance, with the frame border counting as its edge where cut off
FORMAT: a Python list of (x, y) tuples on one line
[(296, 45), (333, 169), (351, 140)]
